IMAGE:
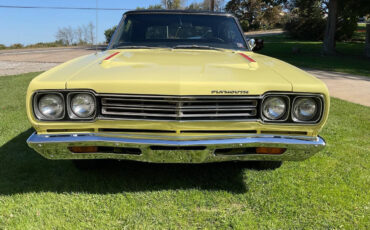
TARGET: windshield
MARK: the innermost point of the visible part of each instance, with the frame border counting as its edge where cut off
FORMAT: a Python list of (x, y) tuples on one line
[(178, 31)]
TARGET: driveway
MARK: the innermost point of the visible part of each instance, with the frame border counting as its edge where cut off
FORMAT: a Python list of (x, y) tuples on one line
[(346, 86), (20, 61), (264, 33)]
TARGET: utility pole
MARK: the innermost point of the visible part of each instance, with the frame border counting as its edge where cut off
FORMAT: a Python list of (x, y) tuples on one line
[(212, 5)]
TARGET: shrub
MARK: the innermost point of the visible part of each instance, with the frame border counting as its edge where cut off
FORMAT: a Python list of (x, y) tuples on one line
[(45, 44), (2, 47), (314, 28), (306, 28), (346, 27), (16, 46)]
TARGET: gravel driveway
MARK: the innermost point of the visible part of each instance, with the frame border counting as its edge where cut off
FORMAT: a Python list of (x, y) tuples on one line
[(13, 67), (19, 61)]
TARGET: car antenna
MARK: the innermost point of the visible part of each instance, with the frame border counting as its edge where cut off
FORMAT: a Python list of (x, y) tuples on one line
[(96, 28)]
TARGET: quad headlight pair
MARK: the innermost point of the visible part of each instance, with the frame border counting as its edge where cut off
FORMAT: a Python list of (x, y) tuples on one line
[(302, 109), (55, 106)]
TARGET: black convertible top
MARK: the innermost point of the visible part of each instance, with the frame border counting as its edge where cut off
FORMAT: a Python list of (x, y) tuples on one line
[(178, 12)]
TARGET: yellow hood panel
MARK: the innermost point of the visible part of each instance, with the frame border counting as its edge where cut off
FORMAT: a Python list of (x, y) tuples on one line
[(177, 72)]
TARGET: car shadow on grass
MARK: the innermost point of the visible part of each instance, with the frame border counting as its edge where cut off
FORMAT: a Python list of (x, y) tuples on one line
[(22, 170)]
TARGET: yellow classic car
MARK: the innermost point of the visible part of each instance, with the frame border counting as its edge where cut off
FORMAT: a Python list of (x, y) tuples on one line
[(177, 87)]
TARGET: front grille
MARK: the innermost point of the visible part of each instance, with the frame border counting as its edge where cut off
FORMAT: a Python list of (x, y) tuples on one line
[(179, 108)]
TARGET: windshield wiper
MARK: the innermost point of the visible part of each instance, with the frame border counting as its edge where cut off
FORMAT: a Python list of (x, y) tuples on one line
[(196, 47)]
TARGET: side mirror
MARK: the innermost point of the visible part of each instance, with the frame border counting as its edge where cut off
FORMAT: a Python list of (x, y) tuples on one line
[(252, 43), (255, 44)]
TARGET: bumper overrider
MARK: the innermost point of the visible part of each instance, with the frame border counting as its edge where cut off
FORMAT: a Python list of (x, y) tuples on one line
[(173, 149)]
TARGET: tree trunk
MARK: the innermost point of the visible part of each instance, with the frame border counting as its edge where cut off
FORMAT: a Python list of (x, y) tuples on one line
[(212, 6), (367, 42), (329, 39)]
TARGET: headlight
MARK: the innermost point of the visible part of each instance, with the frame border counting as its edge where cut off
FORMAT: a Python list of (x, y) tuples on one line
[(305, 109), (83, 105), (51, 107), (274, 108)]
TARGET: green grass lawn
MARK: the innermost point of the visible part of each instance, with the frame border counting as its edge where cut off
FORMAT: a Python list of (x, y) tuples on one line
[(328, 191), (350, 57)]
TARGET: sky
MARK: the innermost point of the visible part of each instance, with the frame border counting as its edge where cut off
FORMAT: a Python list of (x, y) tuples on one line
[(29, 26)]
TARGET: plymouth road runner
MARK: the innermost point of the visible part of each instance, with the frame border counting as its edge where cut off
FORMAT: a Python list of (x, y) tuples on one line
[(177, 87)]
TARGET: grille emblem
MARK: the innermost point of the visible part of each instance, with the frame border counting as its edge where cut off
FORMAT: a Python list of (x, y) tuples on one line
[(229, 91)]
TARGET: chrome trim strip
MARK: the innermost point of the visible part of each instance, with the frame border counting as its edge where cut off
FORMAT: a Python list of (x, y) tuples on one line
[(203, 115), (182, 96), (56, 147)]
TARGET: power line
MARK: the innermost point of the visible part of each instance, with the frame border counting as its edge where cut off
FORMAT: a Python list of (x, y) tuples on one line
[(62, 8)]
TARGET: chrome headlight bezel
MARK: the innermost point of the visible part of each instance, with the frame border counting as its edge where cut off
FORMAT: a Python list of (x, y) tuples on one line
[(39, 115), (68, 115), (284, 117), (72, 115), (290, 119), (317, 117)]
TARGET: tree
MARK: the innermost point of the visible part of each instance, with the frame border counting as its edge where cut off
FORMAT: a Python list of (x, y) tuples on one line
[(66, 35), (329, 37), (342, 12), (367, 42), (151, 7), (81, 35), (306, 16), (256, 14), (195, 6), (109, 33), (206, 5), (173, 4), (90, 31), (218, 5), (362, 8), (155, 7)]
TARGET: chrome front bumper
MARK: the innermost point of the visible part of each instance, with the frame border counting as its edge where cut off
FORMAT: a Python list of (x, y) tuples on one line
[(172, 149)]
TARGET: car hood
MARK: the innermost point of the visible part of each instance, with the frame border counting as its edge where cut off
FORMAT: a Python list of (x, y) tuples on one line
[(180, 72)]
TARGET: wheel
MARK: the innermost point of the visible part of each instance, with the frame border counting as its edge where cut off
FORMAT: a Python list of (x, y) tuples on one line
[(267, 165), (84, 165)]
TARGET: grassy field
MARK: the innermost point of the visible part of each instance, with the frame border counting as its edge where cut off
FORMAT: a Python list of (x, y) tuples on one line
[(328, 191), (350, 58)]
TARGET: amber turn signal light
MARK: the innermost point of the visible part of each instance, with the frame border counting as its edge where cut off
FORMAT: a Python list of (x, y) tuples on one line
[(83, 149), (267, 150)]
